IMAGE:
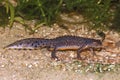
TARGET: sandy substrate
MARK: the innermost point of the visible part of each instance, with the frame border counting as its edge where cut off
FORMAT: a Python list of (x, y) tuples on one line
[(37, 64)]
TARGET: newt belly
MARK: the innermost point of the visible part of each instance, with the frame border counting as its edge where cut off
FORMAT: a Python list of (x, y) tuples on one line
[(58, 44), (65, 48)]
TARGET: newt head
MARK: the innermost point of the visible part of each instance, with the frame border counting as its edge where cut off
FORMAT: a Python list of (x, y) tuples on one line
[(97, 44), (94, 44)]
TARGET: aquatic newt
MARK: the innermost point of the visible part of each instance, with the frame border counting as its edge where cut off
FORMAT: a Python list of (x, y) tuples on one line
[(58, 44)]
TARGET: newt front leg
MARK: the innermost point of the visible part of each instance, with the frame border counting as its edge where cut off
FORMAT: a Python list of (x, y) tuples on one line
[(92, 51)]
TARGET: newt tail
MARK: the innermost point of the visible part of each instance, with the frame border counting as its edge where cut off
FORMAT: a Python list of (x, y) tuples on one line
[(58, 44), (28, 43)]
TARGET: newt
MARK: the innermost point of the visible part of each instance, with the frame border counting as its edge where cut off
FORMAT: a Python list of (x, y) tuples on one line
[(61, 43)]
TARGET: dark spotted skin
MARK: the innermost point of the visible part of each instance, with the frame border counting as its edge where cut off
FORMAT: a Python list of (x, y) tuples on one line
[(58, 44)]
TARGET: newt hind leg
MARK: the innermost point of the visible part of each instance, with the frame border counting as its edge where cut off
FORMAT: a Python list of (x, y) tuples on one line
[(53, 54), (78, 54)]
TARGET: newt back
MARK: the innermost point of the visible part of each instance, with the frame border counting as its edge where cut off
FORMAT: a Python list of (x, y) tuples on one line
[(76, 42)]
